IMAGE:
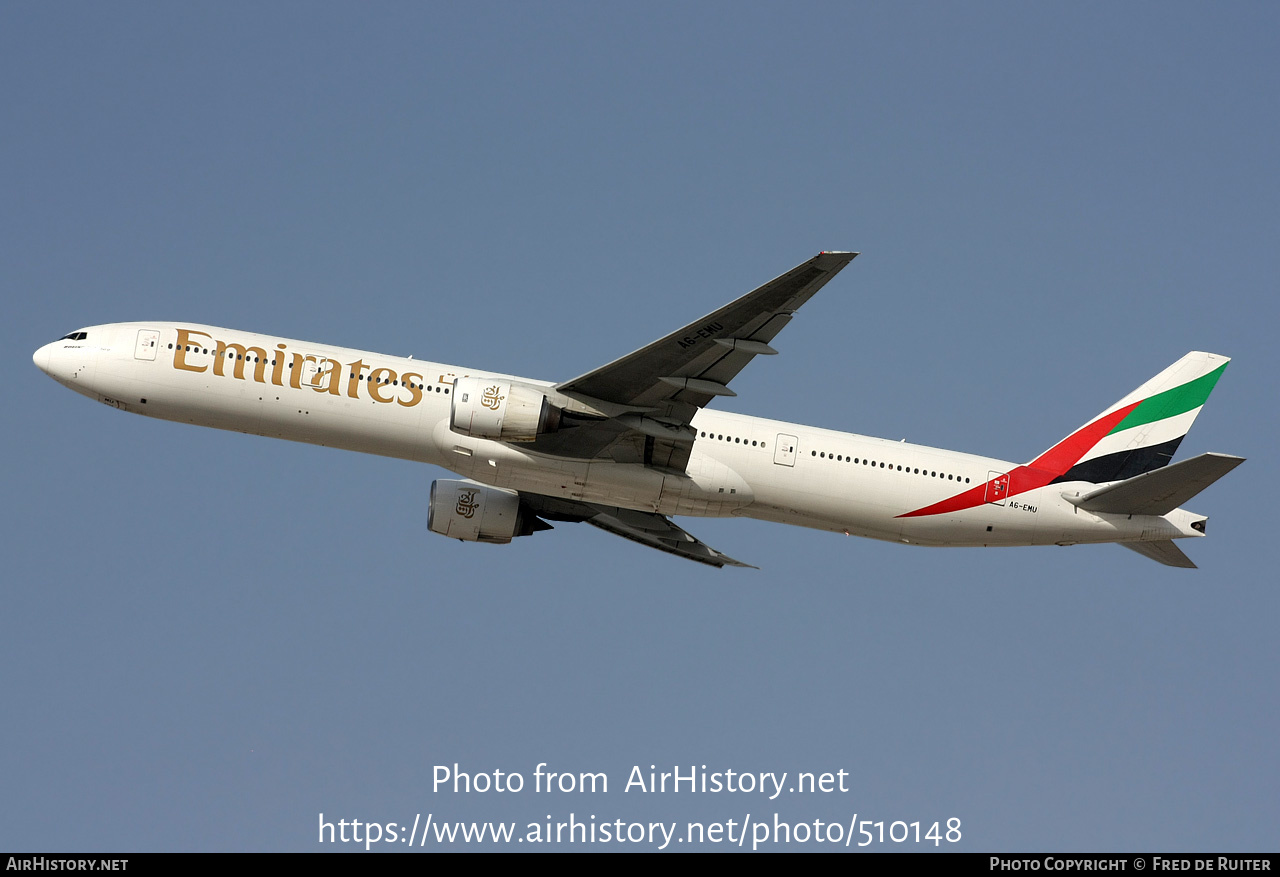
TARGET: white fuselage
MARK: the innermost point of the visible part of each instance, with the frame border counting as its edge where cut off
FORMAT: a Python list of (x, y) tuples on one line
[(740, 465)]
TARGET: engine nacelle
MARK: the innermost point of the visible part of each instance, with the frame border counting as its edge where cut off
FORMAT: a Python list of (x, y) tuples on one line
[(501, 410), (477, 513)]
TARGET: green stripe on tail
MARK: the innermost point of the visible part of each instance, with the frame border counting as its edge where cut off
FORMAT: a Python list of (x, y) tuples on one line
[(1172, 402)]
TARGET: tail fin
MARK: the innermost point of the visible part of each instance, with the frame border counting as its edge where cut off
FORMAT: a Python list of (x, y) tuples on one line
[(1142, 431)]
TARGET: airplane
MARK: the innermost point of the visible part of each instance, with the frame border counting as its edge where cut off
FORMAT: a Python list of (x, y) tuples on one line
[(632, 443)]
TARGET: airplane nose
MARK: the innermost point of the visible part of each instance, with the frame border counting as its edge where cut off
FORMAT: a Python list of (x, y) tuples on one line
[(41, 358)]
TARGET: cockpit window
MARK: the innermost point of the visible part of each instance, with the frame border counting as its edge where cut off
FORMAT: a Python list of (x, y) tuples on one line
[(75, 336)]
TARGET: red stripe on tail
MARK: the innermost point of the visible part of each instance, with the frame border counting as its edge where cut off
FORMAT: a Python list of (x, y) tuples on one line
[(1039, 472)]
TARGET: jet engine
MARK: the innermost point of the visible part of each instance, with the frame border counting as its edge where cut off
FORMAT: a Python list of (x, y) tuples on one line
[(495, 409), (477, 513)]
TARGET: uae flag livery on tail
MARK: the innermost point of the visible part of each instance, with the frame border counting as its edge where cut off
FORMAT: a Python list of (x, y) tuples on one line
[(1152, 422), (1138, 434)]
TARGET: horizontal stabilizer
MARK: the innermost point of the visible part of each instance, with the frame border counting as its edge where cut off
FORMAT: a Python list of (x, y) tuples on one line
[(1162, 490), (1161, 552)]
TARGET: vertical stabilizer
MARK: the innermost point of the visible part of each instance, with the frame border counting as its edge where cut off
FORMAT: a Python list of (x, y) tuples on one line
[(1141, 432)]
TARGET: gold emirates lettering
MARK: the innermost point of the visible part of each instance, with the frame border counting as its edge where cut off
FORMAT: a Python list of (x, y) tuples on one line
[(327, 377)]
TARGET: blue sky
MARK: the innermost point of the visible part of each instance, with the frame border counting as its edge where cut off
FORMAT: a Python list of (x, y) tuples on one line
[(212, 638)]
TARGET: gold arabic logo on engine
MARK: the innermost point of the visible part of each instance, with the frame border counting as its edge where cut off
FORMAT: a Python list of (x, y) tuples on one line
[(491, 399), (467, 504)]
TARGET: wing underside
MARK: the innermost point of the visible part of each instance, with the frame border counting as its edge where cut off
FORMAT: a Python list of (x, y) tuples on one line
[(656, 391), (694, 364)]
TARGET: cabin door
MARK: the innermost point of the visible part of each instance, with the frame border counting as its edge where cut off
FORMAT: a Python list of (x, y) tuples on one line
[(148, 342), (784, 450)]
